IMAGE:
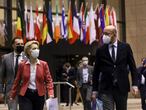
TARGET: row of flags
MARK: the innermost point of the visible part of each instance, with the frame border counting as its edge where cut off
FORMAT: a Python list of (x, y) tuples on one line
[(87, 25)]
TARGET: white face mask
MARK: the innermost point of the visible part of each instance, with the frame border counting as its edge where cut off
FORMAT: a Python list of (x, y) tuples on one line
[(85, 62), (35, 53), (106, 39)]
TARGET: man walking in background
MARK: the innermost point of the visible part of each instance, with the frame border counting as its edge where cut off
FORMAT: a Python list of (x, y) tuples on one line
[(84, 80), (9, 68)]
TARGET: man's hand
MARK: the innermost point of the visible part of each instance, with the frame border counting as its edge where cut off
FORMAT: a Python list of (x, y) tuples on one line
[(134, 90), (64, 74), (10, 99)]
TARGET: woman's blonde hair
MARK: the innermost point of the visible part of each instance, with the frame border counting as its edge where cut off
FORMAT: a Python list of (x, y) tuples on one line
[(28, 46)]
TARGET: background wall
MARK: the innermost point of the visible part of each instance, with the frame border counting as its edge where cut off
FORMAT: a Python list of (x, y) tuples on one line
[(136, 27)]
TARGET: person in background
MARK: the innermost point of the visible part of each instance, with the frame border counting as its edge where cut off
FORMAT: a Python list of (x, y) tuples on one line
[(32, 80), (142, 83), (113, 61), (9, 68), (84, 80), (78, 93), (69, 75)]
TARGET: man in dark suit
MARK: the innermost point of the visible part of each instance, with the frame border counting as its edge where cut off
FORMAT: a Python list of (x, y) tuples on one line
[(113, 61), (68, 75), (9, 70), (84, 79)]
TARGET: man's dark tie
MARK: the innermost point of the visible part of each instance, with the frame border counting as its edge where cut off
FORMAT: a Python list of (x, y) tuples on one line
[(16, 64), (113, 53)]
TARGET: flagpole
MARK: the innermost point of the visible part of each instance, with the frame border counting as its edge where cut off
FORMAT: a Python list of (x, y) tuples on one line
[(92, 2), (97, 5), (30, 3), (57, 6), (87, 8), (56, 2)]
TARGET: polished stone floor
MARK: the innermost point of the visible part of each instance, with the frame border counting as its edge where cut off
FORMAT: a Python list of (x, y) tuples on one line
[(133, 104)]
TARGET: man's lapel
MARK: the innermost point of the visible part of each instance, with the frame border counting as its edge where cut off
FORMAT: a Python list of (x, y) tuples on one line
[(24, 56), (11, 62), (118, 51), (108, 53)]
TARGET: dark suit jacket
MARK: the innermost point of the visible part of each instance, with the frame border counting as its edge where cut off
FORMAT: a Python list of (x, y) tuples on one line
[(43, 79), (71, 75), (105, 68), (141, 71), (7, 72)]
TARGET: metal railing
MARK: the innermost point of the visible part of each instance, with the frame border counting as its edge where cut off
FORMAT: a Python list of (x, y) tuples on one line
[(58, 91)]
